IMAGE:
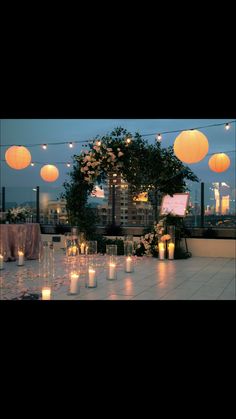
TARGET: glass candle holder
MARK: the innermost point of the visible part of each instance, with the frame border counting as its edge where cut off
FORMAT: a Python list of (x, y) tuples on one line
[(91, 274), (46, 262), (74, 232), (161, 249), (74, 287), (171, 249), (83, 248), (129, 264), (91, 277), (128, 248), (128, 252), (111, 252), (46, 293), (171, 242)]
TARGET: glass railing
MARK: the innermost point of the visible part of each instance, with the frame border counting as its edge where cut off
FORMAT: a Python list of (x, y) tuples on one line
[(212, 207)]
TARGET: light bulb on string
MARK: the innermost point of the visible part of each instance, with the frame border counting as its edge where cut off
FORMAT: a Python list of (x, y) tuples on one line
[(32, 164), (71, 145), (159, 137), (44, 146), (68, 164), (99, 143), (227, 126), (128, 140)]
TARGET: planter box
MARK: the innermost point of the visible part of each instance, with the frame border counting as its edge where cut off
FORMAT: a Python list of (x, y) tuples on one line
[(211, 247)]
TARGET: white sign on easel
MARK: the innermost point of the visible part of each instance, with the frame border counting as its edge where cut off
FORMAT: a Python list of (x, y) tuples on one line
[(175, 205)]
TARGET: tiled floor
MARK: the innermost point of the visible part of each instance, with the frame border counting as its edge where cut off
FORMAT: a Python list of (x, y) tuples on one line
[(191, 279)]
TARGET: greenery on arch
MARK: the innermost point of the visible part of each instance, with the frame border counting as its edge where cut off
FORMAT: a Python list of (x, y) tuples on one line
[(146, 167)]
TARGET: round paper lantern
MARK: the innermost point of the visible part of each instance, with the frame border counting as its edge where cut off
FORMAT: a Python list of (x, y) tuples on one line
[(219, 162), (49, 173), (18, 157), (191, 146)]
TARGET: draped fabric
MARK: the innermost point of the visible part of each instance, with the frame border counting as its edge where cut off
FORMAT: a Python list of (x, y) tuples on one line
[(26, 237)]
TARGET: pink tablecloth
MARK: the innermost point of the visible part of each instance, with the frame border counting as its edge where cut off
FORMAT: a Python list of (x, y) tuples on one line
[(26, 235)]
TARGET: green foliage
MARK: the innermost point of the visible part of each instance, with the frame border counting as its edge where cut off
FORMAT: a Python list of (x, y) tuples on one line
[(76, 193), (146, 167), (113, 230), (103, 241)]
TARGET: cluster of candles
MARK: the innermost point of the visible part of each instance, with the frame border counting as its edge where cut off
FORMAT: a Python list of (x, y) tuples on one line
[(171, 249), (20, 261), (74, 250)]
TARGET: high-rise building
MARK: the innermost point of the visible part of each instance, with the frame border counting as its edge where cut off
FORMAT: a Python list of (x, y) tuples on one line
[(121, 207)]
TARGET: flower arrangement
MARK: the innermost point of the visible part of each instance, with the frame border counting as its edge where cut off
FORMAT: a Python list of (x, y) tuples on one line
[(148, 244), (100, 158), (18, 214)]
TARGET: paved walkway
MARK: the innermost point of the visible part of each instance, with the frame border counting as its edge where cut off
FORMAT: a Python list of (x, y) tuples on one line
[(190, 279)]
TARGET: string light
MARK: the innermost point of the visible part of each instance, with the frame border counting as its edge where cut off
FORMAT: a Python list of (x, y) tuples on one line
[(99, 143), (32, 164), (68, 164), (159, 137), (128, 140)]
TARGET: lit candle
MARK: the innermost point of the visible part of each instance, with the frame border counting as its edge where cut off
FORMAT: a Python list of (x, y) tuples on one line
[(74, 277), (1, 262), (129, 264), (92, 277), (82, 248), (74, 250), (20, 258), (112, 271), (171, 249), (46, 293), (161, 251)]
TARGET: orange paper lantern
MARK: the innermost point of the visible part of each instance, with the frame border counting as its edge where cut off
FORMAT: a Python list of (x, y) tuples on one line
[(49, 173), (18, 157), (191, 146), (219, 162)]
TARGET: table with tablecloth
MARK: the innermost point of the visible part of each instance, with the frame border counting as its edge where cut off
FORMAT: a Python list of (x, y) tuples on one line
[(14, 236)]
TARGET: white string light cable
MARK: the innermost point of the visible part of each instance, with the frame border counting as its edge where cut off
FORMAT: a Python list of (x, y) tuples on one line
[(128, 140)]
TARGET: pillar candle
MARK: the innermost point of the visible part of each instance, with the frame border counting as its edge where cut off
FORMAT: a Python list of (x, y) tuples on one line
[(111, 271), (82, 246), (171, 249), (129, 264), (161, 251), (74, 277), (92, 277), (46, 293), (20, 258), (1, 262)]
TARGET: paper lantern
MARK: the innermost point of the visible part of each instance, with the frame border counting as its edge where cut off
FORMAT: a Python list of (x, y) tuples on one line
[(18, 157), (219, 162), (191, 146), (49, 173)]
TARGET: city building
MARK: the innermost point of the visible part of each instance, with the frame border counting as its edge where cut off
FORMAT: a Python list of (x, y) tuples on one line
[(56, 212), (122, 207)]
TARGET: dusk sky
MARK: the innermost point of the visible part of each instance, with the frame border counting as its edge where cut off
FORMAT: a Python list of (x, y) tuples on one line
[(26, 131)]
